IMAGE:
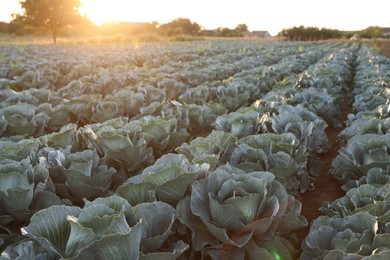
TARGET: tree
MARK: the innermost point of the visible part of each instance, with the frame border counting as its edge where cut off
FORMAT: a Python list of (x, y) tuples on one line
[(17, 25), (371, 32), (227, 32), (4, 27), (302, 33), (180, 26), (52, 14), (242, 28)]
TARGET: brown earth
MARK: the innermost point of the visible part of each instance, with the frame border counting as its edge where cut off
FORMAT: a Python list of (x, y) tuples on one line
[(326, 188), (384, 47)]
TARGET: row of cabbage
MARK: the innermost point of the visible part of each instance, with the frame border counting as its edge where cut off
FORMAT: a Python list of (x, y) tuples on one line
[(356, 226), (83, 80), (97, 94), (77, 172), (326, 83), (279, 138), (98, 190), (302, 105)]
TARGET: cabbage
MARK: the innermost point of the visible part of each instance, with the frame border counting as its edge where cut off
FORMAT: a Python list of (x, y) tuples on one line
[(244, 211)]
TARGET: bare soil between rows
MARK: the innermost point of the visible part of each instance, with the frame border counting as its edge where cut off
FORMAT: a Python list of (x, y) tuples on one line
[(384, 47), (326, 188)]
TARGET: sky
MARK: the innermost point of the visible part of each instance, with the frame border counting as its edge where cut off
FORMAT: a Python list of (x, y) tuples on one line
[(267, 15)]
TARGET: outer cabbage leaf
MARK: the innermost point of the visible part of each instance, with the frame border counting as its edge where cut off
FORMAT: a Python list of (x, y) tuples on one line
[(19, 150), (19, 119), (50, 228), (362, 126), (203, 117), (233, 96), (103, 229), (215, 149), (67, 136), (105, 110), (376, 177), (351, 235), (24, 190), (124, 147), (280, 154), (320, 102), (26, 249), (57, 117), (83, 107), (304, 124), (129, 101), (361, 153), (175, 251), (241, 123), (162, 133), (198, 95), (168, 180), (79, 175), (232, 207)]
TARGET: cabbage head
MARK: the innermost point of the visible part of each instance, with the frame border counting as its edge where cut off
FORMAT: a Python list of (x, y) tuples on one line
[(241, 215)]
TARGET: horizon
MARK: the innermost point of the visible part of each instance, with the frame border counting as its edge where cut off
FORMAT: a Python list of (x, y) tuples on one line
[(266, 16)]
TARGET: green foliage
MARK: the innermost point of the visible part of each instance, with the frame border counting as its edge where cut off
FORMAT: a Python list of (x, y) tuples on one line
[(4, 27), (227, 32), (53, 15), (137, 121), (18, 26), (230, 207), (356, 226), (241, 28), (179, 26), (371, 32), (302, 33), (342, 238)]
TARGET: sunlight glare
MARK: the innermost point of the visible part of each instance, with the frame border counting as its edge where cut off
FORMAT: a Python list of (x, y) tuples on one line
[(258, 15), (276, 255), (101, 11)]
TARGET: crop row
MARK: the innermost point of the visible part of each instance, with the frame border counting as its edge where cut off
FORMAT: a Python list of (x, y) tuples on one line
[(182, 151), (356, 226), (79, 91)]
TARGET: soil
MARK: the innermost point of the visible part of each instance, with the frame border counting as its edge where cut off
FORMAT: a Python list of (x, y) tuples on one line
[(384, 47), (326, 188)]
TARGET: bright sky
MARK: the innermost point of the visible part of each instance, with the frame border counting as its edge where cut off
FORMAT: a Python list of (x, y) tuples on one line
[(270, 15)]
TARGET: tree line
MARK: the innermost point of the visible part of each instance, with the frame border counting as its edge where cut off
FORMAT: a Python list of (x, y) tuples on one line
[(303, 33), (63, 17), (179, 26)]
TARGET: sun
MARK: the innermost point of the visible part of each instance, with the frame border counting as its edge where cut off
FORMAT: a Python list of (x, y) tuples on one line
[(101, 11)]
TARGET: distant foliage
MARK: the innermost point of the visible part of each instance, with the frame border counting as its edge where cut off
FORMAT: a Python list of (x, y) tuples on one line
[(53, 15), (180, 26), (371, 32), (302, 33)]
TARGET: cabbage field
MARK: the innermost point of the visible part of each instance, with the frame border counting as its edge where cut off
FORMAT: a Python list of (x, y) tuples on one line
[(197, 150)]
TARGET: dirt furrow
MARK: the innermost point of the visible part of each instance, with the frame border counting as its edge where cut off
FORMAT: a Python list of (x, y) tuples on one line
[(326, 188)]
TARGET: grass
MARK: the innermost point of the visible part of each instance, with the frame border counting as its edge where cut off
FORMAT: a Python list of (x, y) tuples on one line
[(385, 47), (118, 38), (381, 46)]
